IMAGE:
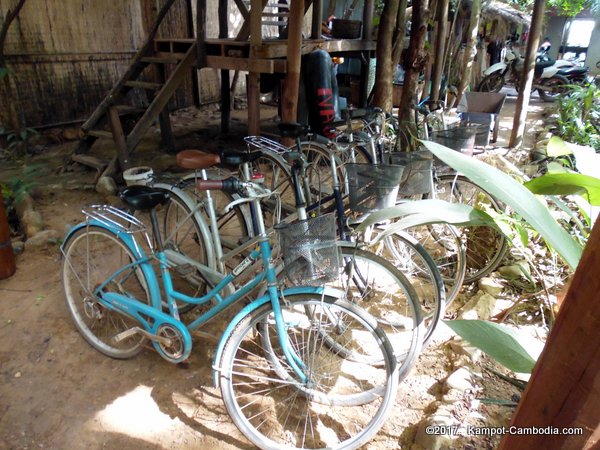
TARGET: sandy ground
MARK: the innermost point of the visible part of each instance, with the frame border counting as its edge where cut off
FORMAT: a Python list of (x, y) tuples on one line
[(57, 392)]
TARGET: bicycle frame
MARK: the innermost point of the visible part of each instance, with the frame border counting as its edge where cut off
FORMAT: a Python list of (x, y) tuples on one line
[(142, 312)]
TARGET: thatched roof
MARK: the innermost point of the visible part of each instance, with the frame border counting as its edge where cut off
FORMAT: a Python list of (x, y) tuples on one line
[(492, 9)]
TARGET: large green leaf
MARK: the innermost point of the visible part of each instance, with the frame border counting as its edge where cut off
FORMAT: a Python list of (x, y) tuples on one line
[(431, 211), (498, 341), (515, 195), (567, 184)]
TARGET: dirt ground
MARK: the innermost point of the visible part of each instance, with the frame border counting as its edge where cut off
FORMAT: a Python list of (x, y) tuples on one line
[(57, 392)]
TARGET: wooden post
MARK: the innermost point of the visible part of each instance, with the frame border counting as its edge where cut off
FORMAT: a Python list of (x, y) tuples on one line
[(317, 18), (368, 20), (225, 84), (119, 137), (201, 34), (537, 19), (564, 389), (440, 41), (289, 98), (253, 80)]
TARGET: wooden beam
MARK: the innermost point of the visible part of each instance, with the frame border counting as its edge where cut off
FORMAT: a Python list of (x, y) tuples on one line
[(225, 93), (317, 19), (201, 34), (291, 87), (564, 388), (367, 31), (245, 30), (253, 93), (246, 64)]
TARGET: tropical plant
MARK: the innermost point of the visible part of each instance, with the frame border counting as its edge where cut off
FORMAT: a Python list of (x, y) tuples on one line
[(579, 116)]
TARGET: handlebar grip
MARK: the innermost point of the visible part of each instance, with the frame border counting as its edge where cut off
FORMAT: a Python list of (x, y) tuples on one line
[(209, 185)]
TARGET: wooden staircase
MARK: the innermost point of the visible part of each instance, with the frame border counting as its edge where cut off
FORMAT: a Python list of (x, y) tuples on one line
[(105, 121)]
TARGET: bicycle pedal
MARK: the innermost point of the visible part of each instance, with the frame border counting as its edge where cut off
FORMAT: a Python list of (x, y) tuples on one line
[(125, 334)]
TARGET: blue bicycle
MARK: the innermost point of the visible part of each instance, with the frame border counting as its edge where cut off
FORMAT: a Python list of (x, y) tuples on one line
[(297, 368)]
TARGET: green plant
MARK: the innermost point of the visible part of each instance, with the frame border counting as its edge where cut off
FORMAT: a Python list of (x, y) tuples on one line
[(15, 189), (19, 142), (579, 116)]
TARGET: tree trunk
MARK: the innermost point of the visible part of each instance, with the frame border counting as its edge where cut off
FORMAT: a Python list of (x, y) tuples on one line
[(415, 62), (440, 43), (385, 69), (470, 50), (399, 32), (537, 19)]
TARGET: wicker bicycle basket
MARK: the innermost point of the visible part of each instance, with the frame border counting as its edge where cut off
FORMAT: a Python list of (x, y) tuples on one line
[(372, 187), (310, 253)]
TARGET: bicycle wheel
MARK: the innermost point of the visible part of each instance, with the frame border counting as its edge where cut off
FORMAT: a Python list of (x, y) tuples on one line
[(443, 244), (411, 258), (319, 173), (374, 284), (341, 404), (484, 246), (89, 257)]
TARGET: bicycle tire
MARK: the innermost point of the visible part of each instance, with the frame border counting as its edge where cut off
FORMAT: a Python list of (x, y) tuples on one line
[(324, 411), (383, 291), (411, 258), (445, 247), (484, 246), (90, 256)]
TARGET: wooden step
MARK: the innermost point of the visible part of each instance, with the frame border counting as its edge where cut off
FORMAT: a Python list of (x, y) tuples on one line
[(275, 14), (100, 134), (90, 161), (277, 23), (269, 5), (130, 109), (143, 85), (166, 58)]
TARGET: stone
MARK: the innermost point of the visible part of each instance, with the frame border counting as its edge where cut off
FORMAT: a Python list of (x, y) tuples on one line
[(462, 347), (490, 286), (512, 272), (18, 246), (425, 437), (460, 379), (24, 204), (32, 222), (42, 239), (106, 186), (481, 306)]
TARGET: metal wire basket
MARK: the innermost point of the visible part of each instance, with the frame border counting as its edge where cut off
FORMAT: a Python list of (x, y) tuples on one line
[(372, 187), (310, 253)]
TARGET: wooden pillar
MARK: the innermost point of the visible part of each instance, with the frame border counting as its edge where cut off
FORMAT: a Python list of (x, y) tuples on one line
[(253, 80), (368, 20), (564, 388), (440, 41), (317, 18), (225, 83), (119, 137), (289, 100), (537, 19)]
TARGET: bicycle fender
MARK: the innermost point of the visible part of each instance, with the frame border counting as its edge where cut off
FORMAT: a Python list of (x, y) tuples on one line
[(320, 290), (127, 239), (204, 228)]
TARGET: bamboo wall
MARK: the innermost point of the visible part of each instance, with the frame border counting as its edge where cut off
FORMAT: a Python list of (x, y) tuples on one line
[(63, 56)]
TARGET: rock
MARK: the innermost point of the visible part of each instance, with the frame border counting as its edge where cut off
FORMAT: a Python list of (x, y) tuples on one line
[(453, 395), (18, 375), (460, 379), (42, 239), (24, 204), (18, 246), (479, 307), (490, 286), (32, 223), (106, 186), (426, 438), (515, 271), (463, 348)]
